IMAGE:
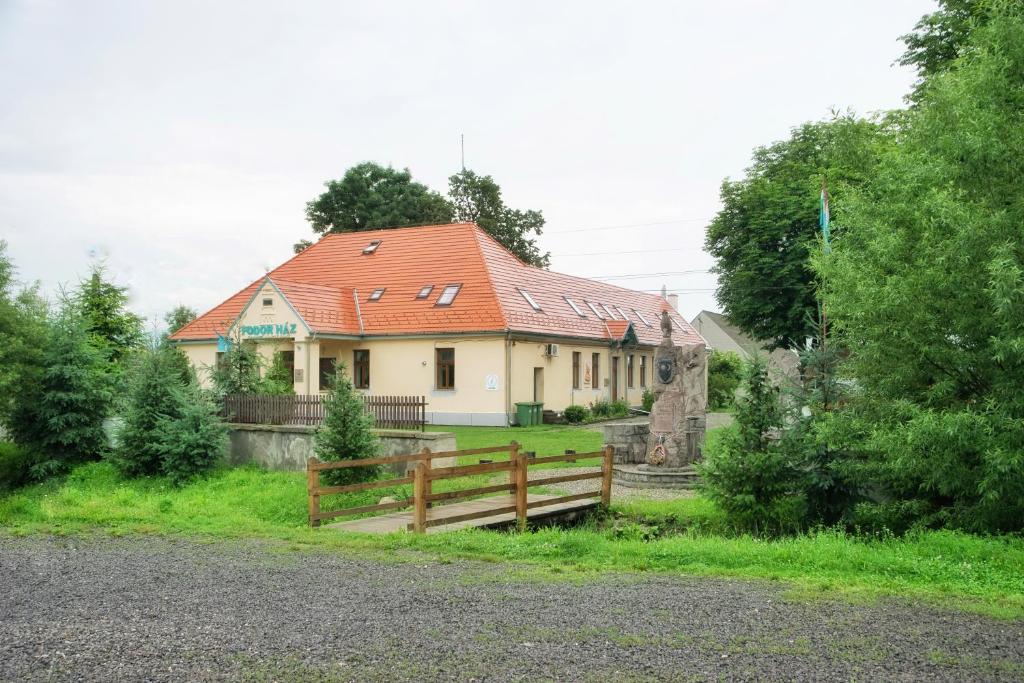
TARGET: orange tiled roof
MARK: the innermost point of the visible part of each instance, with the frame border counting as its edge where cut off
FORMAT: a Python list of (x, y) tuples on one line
[(323, 283)]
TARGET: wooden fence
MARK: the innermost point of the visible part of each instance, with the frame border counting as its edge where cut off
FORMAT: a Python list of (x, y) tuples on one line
[(424, 475), (389, 412)]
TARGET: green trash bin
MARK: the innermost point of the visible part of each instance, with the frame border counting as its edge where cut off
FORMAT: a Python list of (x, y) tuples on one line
[(529, 413)]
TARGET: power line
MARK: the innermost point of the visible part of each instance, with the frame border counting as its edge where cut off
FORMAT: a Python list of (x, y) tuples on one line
[(637, 251), (628, 225), (631, 276)]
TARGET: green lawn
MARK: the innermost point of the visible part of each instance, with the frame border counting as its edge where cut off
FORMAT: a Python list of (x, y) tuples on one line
[(679, 537), (541, 439)]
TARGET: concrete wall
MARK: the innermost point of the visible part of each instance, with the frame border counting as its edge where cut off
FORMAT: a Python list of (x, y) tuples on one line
[(629, 441), (284, 447)]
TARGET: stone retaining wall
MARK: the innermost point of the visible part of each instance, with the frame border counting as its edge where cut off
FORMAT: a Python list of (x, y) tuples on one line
[(288, 447), (629, 440)]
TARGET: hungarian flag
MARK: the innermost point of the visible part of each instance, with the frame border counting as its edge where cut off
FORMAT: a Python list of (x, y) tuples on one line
[(823, 217)]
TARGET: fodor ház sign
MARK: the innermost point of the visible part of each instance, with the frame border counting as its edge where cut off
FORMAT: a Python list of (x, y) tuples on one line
[(269, 330)]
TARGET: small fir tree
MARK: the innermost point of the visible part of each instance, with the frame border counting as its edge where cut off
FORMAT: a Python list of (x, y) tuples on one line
[(278, 379), (346, 434), (749, 471), (156, 394), (105, 307), (194, 442), (238, 371), (60, 410)]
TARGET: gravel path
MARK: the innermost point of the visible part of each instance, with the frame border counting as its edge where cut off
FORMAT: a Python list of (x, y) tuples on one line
[(129, 609)]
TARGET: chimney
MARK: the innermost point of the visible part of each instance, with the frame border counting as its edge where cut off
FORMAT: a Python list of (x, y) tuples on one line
[(673, 301)]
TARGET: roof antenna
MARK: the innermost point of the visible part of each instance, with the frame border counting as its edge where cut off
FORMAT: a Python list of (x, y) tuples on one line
[(462, 142)]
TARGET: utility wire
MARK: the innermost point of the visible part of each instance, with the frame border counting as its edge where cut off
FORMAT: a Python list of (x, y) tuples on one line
[(627, 225), (637, 251)]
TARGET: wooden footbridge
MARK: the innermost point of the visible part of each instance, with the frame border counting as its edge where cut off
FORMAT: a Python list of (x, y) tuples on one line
[(428, 511)]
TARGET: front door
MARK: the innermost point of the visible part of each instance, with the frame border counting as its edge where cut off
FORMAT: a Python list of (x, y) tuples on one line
[(538, 385), (615, 378)]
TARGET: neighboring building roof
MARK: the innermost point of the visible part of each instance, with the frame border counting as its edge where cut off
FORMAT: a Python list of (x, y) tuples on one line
[(324, 282), (722, 335), (747, 346)]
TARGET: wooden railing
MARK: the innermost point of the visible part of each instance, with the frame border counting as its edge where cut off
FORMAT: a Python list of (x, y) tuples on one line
[(424, 475), (389, 412)]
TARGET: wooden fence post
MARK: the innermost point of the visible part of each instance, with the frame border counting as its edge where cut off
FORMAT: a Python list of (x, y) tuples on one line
[(428, 487), (313, 485), (606, 476), (419, 492), (518, 475)]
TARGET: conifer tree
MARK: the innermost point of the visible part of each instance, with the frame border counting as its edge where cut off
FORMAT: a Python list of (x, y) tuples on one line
[(156, 393), (346, 434), (194, 442)]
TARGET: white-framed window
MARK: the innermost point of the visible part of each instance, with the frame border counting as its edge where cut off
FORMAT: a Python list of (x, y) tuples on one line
[(574, 307), (592, 307), (448, 295), (377, 294), (425, 291)]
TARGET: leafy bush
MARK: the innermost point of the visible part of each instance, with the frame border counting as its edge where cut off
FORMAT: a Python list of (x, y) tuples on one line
[(154, 395), (15, 466), (725, 371), (192, 443), (648, 400), (601, 408), (575, 414), (620, 408), (346, 434)]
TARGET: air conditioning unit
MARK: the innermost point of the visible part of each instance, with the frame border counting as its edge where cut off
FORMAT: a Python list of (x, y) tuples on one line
[(551, 350)]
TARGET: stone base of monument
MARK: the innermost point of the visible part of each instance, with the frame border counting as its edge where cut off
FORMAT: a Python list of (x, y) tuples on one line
[(646, 476)]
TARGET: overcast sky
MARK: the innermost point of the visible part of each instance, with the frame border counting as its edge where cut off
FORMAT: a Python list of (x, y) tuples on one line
[(181, 140)]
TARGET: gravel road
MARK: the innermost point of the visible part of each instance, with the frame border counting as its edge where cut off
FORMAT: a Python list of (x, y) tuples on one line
[(78, 609)]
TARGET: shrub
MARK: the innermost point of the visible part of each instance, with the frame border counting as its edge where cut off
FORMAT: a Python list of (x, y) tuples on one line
[(345, 434), (648, 400), (155, 394), (601, 408), (15, 466), (725, 371), (575, 414), (192, 443), (619, 408)]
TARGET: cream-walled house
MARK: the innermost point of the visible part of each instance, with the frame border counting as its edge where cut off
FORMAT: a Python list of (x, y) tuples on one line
[(445, 312)]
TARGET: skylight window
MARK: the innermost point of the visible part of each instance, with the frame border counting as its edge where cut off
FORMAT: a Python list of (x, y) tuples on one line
[(448, 295), (529, 299), (642, 318), (377, 294), (425, 292), (622, 313), (609, 312), (573, 306), (597, 313), (371, 247)]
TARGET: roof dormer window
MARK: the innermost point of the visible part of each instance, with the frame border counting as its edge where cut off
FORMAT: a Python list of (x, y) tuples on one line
[(573, 306), (371, 247), (377, 294), (597, 313), (530, 300)]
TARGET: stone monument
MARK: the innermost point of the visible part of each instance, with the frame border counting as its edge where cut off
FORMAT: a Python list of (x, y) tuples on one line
[(678, 417)]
